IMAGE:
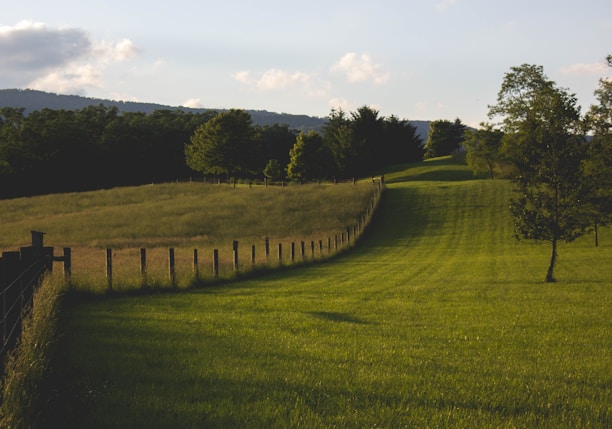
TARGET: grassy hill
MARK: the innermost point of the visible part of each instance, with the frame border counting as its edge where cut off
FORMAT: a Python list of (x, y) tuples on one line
[(438, 319)]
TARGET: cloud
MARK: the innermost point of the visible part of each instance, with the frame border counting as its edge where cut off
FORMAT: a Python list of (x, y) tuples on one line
[(194, 103), (115, 52), (360, 68), (70, 80), (340, 103), (64, 60), (32, 48), (281, 80), (274, 79), (582, 69), (243, 77)]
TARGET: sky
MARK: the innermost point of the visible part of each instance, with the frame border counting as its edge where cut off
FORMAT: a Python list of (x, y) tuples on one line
[(417, 60)]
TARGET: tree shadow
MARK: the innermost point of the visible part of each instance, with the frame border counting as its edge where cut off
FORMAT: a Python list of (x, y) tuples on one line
[(338, 317)]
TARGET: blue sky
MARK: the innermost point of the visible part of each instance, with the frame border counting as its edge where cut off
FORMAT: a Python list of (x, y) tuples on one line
[(429, 59)]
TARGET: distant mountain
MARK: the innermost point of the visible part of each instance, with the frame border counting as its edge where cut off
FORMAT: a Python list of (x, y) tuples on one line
[(32, 100)]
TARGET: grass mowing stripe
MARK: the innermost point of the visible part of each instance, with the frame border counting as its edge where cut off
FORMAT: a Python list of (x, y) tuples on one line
[(439, 318)]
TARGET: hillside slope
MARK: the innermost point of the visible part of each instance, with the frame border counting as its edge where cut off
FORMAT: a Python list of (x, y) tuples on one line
[(33, 100), (438, 319)]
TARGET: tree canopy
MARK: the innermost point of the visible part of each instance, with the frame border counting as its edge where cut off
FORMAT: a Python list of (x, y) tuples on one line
[(444, 138), (541, 124)]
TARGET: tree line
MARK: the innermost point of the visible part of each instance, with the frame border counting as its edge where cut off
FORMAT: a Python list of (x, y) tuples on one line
[(352, 144), (95, 147), (99, 147)]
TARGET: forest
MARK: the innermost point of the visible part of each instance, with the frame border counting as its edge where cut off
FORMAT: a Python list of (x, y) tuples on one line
[(95, 147)]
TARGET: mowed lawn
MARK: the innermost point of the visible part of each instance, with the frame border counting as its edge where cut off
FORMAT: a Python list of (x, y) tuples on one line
[(439, 318)]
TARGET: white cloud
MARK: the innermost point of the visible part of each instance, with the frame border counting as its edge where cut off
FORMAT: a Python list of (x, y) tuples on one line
[(341, 104), (282, 80), (194, 103), (360, 68), (63, 60), (71, 80), (109, 52), (274, 79), (242, 77), (581, 69)]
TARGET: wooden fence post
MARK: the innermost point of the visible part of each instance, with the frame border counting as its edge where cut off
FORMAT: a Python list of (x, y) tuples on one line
[(143, 267), (292, 251), (109, 269), (67, 264), (196, 270), (215, 263), (172, 273), (267, 246), (235, 254), (280, 253), (302, 248), (312, 247), (253, 254)]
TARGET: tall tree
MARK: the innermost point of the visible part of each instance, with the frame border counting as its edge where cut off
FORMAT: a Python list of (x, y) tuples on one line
[(402, 144), (338, 136), (369, 144), (310, 158), (222, 145), (444, 138), (275, 142), (483, 148), (541, 123), (597, 167)]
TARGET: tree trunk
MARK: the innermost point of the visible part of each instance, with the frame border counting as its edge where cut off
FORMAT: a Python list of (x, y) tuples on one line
[(553, 258)]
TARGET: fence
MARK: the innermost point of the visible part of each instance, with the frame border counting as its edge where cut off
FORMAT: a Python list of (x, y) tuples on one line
[(295, 252), (20, 274)]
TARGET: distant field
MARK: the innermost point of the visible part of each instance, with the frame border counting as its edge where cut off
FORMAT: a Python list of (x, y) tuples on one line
[(183, 216), (440, 318)]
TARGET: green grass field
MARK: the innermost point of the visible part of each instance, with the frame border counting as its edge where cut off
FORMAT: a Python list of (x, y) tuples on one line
[(439, 318), (183, 216)]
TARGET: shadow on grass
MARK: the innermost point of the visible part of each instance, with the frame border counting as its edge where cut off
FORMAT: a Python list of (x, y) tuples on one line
[(337, 317)]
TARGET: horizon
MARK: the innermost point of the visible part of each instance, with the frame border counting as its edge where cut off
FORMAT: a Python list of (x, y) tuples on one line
[(442, 59)]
